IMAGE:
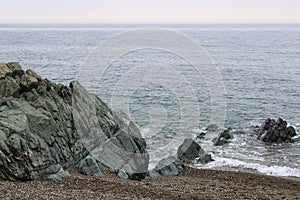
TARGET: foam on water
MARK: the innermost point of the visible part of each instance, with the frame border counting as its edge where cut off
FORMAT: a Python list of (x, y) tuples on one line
[(262, 79), (228, 163)]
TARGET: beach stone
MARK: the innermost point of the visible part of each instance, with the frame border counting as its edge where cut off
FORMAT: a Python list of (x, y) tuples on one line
[(45, 125), (169, 167), (54, 178), (189, 150), (152, 174), (223, 137), (123, 175), (58, 176), (204, 159), (272, 131), (89, 166)]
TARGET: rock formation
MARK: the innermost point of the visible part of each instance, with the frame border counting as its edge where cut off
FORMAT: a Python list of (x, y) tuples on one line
[(276, 131), (223, 137), (189, 150), (45, 127), (170, 166)]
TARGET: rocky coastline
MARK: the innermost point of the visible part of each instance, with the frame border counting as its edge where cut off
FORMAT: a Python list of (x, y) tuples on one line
[(55, 135), (47, 127)]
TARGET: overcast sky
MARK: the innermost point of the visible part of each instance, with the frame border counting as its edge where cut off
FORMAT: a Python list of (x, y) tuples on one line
[(150, 11)]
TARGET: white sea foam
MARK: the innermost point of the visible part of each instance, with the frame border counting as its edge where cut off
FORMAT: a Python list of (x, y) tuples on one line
[(274, 170)]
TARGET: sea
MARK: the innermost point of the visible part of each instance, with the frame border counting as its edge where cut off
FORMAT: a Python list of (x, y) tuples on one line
[(257, 66)]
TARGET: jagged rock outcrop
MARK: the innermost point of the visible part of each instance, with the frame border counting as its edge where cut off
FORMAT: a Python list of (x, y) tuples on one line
[(45, 126), (276, 131)]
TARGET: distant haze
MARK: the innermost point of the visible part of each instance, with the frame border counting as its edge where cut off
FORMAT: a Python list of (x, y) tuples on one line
[(150, 11)]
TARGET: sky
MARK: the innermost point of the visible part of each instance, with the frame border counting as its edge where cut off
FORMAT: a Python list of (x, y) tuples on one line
[(150, 11)]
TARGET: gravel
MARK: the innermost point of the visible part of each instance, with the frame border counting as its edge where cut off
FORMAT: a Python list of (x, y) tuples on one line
[(192, 184)]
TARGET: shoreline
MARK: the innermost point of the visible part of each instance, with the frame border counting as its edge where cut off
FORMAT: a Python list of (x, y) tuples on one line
[(246, 170), (192, 184)]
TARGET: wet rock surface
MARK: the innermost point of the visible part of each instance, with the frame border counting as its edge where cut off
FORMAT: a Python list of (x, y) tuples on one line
[(272, 131), (44, 125), (223, 137)]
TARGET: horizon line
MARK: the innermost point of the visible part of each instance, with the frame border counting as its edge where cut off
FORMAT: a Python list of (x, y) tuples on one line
[(117, 23)]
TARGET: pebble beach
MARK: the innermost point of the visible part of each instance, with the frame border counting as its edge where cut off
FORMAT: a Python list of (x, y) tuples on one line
[(192, 184)]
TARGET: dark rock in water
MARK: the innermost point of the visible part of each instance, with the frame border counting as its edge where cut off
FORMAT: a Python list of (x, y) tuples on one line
[(44, 125), (204, 159), (276, 131), (169, 167), (201, 135), (189, 150), (223, 137), (89, 166)]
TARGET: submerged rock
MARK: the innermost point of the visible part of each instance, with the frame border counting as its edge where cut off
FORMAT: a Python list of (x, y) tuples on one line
[(44, 125), (276, 131)]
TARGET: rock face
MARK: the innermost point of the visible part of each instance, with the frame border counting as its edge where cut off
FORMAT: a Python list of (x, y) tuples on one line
[(45, 126), (275, 131)]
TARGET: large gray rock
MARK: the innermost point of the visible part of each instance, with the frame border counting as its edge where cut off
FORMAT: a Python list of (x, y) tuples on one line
[(276, 131), (189, 150), (111, 138), (44, 125)]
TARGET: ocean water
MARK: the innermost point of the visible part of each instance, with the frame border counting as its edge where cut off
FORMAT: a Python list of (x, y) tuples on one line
[(259, 66)]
